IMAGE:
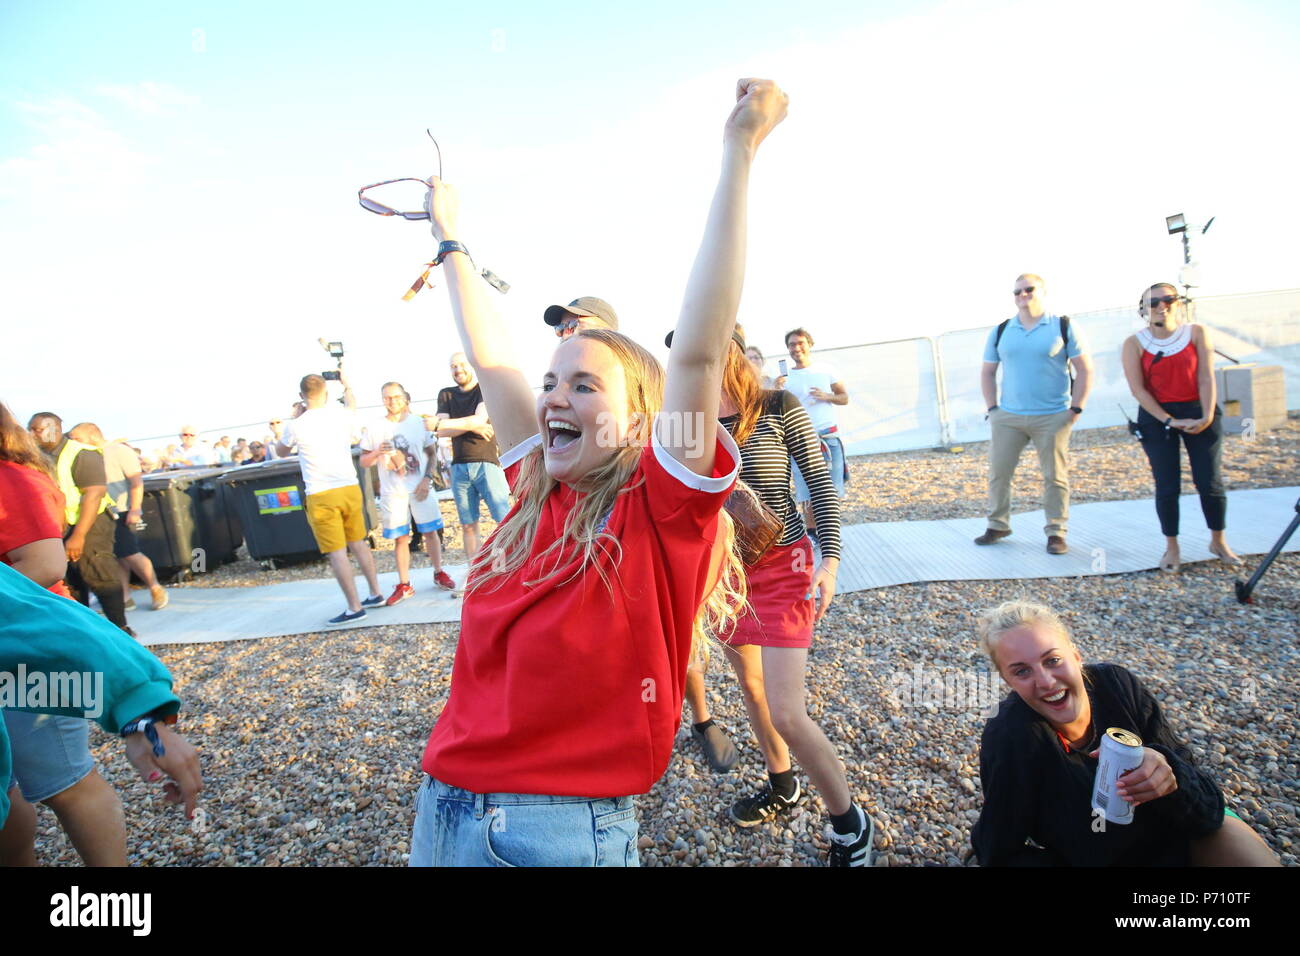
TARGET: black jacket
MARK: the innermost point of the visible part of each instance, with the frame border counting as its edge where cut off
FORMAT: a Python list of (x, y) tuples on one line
[(1034, 788)]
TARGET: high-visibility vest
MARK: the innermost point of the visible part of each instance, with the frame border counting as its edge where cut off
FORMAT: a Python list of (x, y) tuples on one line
[(71, 493)]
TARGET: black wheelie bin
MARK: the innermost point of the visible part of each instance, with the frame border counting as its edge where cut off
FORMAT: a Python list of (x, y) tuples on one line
[(270, 500), (188, 527)]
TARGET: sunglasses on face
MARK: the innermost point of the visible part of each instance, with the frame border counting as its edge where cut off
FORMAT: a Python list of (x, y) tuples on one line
[(1165, 300), (565, 329), (188, 435), (1027, 290)]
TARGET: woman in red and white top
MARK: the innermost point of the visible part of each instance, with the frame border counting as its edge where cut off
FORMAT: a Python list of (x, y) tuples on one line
[(51, 755), (1170, 370), (581, 609)]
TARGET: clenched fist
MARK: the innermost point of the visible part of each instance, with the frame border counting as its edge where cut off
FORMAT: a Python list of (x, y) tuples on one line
[(761, 104)]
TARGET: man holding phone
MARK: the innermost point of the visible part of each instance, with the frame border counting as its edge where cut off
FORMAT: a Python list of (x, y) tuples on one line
[(819, 390), (322, 433)]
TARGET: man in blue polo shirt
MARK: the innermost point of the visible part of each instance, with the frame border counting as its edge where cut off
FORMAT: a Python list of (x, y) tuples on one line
[(1039, 403)]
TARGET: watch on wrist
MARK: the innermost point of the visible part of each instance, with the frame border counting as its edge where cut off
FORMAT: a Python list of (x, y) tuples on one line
[(1076, 409), (992, 407), (1168, 420)]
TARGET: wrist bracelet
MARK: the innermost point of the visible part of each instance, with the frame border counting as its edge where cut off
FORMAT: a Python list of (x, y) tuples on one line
[(147, 726)]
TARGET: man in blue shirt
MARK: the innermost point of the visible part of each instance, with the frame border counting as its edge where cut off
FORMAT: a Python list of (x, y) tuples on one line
[(1039, 403)]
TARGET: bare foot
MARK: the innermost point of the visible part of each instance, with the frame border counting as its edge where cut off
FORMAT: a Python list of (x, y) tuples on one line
[(1170, 560), (1225, 554)]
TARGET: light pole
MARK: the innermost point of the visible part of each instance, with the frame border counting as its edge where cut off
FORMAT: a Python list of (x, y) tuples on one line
[(1178, 224)]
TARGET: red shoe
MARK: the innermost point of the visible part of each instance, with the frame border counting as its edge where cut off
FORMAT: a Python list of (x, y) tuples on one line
[(444, 581), (400, 594)]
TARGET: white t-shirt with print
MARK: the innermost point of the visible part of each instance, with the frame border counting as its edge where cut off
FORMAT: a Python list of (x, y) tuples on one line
[(800, 382), (323, 437), (409, 437)]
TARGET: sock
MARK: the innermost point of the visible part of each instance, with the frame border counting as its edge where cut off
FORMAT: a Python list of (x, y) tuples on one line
[(703, 726), (783, 783), (850, 822)]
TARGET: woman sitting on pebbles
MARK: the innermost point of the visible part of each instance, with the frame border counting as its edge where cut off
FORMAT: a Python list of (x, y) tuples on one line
[(581, 608), (1038, 762), (1170, 370)]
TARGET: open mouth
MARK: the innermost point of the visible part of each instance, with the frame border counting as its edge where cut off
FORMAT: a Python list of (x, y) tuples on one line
[(1058, 700), (561, 435)]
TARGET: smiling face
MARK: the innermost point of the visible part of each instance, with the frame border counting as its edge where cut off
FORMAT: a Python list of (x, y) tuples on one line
[(1046, 670), (395, 403), (462, 372), (1028, 293), (582, 412), (800, 349), (1160, 313)]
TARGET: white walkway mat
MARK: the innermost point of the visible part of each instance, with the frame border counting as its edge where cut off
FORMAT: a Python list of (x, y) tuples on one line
[(1105, 538)]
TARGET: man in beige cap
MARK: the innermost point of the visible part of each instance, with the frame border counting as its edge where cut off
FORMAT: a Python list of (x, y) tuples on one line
[(587, 312)]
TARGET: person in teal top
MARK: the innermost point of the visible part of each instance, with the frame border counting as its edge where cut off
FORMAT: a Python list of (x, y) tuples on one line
[(44, 637)]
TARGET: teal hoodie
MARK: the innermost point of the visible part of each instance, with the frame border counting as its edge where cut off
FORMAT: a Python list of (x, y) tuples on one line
[(45, 638)]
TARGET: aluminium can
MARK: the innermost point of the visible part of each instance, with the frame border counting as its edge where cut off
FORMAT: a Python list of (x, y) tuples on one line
[(1121, 751)]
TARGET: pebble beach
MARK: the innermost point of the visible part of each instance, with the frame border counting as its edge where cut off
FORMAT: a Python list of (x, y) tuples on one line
[(311, 744)]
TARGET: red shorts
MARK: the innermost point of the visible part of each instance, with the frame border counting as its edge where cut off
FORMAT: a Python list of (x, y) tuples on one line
[(781, 609)]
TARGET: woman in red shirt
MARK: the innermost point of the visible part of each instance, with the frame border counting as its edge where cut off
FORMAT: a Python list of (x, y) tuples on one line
[(581, 609), (51, 755), (1170, 370)]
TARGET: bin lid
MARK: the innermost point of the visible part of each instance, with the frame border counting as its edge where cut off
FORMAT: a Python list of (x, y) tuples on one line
[(186, 475), (261, 470)]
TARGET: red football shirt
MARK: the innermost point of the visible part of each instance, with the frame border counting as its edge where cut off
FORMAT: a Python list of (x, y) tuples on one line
[(31, 508), (573, 687)]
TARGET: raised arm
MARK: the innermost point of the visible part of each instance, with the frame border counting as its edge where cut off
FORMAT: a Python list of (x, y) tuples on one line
[(708, 315), (484, 335)]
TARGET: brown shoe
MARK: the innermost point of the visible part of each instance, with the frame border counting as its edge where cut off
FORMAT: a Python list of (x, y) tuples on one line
[(1056, 545), (991, 535), (159, 595)]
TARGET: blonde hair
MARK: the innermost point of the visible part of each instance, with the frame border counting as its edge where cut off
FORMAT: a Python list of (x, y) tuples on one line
[(584, 533), (992, 623), (1038, 281)]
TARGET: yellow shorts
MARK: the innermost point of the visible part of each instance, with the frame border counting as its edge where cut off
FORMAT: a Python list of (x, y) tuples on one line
[(336, 517)]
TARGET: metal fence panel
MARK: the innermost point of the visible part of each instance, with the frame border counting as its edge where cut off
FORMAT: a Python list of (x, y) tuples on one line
[(893, 395)]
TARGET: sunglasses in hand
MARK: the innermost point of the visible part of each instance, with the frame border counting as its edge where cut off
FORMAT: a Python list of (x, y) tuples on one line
[(380, 209)]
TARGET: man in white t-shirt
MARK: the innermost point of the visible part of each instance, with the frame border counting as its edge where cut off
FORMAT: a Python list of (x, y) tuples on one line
[(819, 390), (322, 433), (191, 454), (400, 445)]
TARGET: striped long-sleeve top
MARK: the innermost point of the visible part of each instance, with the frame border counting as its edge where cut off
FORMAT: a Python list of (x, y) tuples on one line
[(784, 431)]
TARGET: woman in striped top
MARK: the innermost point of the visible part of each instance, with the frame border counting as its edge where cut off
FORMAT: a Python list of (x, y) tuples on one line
[(769, 646)]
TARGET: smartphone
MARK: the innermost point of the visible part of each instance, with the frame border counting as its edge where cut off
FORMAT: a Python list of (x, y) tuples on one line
[(784, 367)]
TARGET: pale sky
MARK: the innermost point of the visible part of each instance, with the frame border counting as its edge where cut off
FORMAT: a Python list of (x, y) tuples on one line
[(178, 216)]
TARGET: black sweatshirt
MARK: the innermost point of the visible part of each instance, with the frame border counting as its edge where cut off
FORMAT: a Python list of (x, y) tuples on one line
[(1034, 788)]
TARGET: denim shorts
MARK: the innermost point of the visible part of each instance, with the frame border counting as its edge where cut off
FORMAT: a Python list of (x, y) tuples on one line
[(454, 827), (50, 753), (473, 482), (836, 465)]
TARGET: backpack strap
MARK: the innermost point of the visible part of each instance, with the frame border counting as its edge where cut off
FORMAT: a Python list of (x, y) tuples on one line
[(1065, 348), (1002, 327)]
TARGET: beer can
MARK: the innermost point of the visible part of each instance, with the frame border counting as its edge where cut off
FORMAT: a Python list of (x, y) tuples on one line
[(1120, 752)]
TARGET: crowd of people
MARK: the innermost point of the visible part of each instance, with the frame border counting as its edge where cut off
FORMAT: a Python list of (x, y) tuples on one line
[(660, 517)]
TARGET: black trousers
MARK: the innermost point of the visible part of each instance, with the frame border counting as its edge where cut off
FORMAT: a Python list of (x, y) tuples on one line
[(1204, 451), (96, 570)]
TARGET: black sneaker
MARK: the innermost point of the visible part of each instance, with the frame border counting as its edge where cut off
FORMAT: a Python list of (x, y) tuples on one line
[(764, 805), (855, 853), (375, 600)]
